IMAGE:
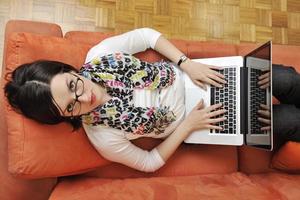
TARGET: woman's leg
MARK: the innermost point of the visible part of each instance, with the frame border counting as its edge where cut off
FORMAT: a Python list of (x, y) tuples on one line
[(286, 116), (286, 124), (286, 85)]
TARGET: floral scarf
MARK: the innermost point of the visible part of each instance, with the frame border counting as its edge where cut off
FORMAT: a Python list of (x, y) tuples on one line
[(120, 74)]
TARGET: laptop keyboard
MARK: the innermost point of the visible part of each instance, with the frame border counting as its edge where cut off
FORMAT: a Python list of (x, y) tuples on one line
[(258, 96), (227, 96)]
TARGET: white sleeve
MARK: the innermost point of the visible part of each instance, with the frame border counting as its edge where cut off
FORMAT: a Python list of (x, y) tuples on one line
[(130, 42), (112, 145)]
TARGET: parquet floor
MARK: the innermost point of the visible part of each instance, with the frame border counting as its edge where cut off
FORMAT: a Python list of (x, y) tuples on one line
[(232, 21)]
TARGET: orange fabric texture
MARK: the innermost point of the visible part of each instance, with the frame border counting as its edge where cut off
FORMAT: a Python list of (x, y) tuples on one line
[(286, 186), (235, 186), (90, 38), (288, 157), (37, 150), (32, 27), (186, 161), (253, 160), (210, 50), (287, 55)]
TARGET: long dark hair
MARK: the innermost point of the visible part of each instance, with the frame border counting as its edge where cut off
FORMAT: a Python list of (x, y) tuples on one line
[(29, 92)]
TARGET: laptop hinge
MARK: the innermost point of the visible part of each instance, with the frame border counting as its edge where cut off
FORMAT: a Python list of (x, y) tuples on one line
[(244, 102)]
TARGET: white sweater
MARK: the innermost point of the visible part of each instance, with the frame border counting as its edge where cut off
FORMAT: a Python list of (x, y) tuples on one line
[(112, 143)]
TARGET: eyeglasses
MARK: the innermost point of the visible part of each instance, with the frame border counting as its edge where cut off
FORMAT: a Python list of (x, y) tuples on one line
[(78, 88)]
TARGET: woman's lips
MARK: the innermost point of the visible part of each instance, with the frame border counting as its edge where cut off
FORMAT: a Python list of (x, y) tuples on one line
[(93, 98)]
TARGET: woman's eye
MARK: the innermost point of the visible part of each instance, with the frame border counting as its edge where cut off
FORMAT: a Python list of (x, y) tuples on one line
[(72, 86), (70, 107)]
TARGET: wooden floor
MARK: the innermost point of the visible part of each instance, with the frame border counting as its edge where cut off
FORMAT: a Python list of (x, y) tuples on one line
[(232, 21)]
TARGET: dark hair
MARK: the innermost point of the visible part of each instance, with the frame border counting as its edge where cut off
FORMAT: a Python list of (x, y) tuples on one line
[(29, 91)]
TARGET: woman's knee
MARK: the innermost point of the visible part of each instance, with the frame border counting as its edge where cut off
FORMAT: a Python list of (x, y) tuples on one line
[(286, 122), (283, 74), (284, 80)]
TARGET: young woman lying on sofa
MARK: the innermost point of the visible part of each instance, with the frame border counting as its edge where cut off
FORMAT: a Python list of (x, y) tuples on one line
[(118, 98)]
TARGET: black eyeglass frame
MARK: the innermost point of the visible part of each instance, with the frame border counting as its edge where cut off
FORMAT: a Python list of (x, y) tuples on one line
[(76, 95)]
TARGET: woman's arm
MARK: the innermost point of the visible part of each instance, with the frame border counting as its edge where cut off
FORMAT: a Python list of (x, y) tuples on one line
[(199, 73), (141, 39), (112, 144), (131, 42), (199, 118)]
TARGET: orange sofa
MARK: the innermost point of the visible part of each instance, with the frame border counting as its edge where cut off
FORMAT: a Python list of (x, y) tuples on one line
[(52, 162)]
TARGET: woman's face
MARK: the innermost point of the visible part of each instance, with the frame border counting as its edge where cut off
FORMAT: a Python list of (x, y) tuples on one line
[(74, 94)]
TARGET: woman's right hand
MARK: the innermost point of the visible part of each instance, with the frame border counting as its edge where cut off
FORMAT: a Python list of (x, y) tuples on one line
[(202, 74), (203, 118)]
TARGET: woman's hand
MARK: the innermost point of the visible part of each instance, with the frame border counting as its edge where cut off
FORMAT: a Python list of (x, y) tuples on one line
[(202, 74), (203, 118), (198, 118), (264, 114), (264, 80)]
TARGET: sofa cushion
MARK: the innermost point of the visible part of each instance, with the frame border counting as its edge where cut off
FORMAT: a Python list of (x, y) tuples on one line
[(233, 186), (286, 186), (210, 49), (85, 37), (29, 26), (37, 150), (253, 160), (288, 157), (186, 161)]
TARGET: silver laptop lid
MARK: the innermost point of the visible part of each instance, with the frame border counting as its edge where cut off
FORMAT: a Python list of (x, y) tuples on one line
[(259, 64)]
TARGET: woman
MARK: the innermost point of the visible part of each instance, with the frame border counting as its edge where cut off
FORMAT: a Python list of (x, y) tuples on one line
[(118, 97)]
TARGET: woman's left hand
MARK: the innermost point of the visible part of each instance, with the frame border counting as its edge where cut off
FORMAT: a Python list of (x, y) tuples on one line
[(264, 117), (264, 80), (202, 74)]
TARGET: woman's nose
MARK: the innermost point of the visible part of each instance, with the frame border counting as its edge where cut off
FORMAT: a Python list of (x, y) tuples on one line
[(84, 98)]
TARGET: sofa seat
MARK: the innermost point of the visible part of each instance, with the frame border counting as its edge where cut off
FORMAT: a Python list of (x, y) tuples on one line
[(285, 185), (233, 186)]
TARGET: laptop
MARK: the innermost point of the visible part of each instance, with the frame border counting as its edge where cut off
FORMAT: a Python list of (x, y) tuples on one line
[(241, 97)]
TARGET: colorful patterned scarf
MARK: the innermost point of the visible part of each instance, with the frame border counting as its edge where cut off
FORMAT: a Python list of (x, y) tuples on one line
[(120, 74)]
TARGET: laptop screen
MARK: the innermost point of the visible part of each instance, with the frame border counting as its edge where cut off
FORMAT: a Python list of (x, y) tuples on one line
[(259, 98)]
